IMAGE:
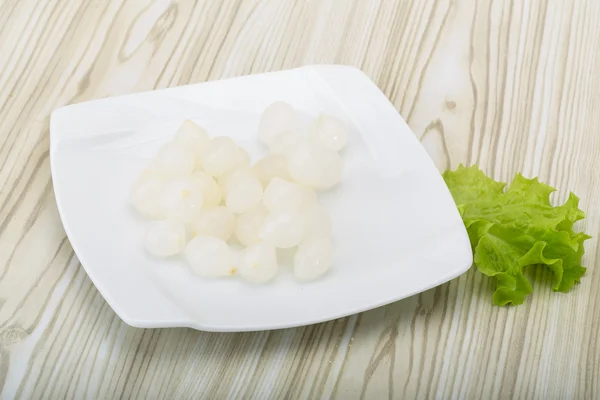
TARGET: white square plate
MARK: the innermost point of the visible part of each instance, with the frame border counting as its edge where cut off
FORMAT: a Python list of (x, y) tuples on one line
[(396, 229)]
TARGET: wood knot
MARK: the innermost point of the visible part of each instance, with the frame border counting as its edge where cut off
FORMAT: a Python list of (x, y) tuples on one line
[(12, 335), (450, 105)]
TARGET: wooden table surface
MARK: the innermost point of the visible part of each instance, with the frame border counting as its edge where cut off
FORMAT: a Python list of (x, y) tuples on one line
[(511, 85)]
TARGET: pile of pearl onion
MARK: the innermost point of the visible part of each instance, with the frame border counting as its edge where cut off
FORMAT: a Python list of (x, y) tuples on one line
[(205, 190)]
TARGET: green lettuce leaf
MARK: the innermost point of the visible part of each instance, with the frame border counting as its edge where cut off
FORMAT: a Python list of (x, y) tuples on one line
[(516, 228)]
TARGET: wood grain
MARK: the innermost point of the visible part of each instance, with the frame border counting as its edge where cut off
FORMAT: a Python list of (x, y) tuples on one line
[(511, 85)]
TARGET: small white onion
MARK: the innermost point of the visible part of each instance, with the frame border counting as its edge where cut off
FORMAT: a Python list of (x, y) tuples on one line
[(243, 158), (313, 258), (210, 257), (217, 221), (286, 142), (329, 132), (270, 167), (211, 192), (173, 161), (284, 229), (318, 221), (193, 137), (282, 195), (244, 194), (248, 225), (277, 118), (220, 156), (316, 167), (165, 238), (146, 195), (183, 199), (233, 177), (258, 263)]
